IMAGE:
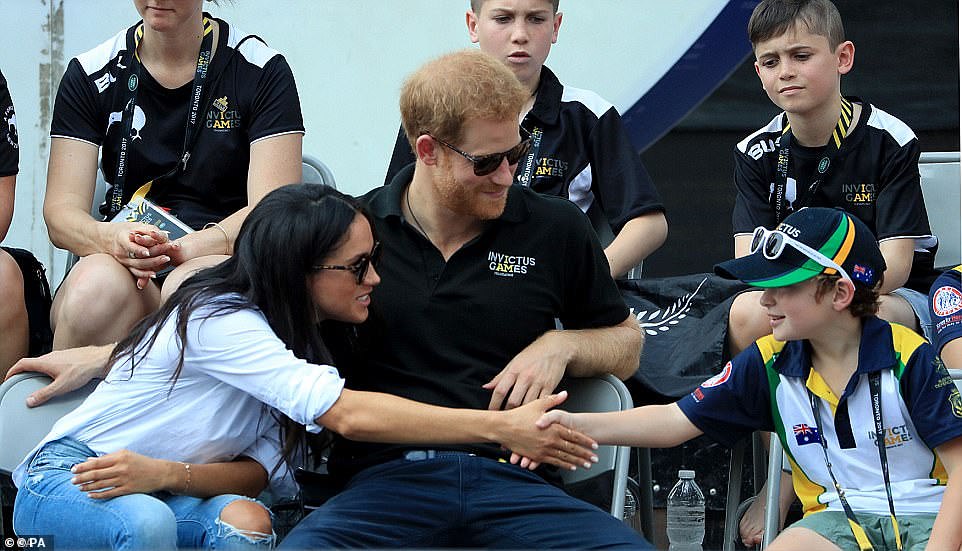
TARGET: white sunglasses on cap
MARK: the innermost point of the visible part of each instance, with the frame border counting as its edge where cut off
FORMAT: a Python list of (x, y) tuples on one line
[(772, 243)]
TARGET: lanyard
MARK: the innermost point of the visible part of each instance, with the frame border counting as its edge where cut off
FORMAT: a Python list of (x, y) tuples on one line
[(875, 391), (821, 170), (524, 175), (127, 120)]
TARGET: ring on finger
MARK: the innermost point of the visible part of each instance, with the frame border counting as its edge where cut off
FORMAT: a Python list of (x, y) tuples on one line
[(131, 255)]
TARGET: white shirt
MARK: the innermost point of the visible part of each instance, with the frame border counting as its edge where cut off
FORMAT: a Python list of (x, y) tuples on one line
[(235, 371)]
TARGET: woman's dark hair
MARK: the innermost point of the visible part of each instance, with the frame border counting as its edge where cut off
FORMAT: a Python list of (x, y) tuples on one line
[(284, 236)]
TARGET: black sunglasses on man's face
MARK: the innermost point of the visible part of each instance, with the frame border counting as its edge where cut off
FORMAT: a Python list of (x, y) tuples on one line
[(486, 164)]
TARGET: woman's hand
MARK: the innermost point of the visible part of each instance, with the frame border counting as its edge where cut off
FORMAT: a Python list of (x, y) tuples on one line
[(125, 472), (555, 444)]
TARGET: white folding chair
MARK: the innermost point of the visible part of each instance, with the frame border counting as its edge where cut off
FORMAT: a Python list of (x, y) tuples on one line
[(314, 171), (601, 394)]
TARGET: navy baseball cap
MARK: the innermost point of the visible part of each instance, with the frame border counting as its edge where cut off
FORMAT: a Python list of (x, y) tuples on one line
[(810, 242)]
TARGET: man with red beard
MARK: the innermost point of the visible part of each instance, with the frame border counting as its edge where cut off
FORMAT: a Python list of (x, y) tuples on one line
[(475, 272)]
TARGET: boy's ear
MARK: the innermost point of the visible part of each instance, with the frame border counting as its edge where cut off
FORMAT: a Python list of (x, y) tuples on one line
[(845, 53), (557, 25), (844, 294), (426, 150), (471, 19)]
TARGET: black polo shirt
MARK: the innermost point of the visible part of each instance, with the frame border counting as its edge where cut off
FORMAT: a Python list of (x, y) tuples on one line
[(439, 330), (874, 176), (584, 154), (9, 147), (249, 95)]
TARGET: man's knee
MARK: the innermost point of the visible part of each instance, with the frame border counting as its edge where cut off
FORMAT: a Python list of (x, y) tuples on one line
[(250, 518)]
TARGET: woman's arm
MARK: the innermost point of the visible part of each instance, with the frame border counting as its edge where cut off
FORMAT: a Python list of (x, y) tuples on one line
[(376, 417), (125, 472), (274, 162)]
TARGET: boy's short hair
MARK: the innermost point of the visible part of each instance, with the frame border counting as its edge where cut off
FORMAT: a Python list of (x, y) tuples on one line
[(476, 5), (773, 18), (865, 300), (446, 92)]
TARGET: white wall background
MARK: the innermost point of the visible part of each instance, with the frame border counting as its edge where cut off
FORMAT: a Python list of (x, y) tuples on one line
[(349, 58)]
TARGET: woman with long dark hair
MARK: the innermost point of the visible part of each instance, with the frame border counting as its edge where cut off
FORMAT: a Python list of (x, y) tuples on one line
[(188, 416)]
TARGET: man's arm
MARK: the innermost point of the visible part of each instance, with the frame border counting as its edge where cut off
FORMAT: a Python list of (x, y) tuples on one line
[(536, 371), (639, 238), (951, 354)]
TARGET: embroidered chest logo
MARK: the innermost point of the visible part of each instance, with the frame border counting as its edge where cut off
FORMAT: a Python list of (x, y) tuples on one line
[(222, 118), (858, 194), (894, 436), (550, 167), (946, 301), (504, 265)]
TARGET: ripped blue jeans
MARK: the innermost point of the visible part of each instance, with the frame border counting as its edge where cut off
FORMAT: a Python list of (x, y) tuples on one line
[(48, 504)]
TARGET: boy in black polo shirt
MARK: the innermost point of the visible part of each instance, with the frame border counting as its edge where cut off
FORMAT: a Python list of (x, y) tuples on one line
[(579, 149), (827, 150)]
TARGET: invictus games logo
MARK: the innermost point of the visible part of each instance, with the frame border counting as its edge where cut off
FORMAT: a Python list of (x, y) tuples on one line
[(504, 265), (894, 436), (10, 127), (222, 118), (549, 167), (859, 194)]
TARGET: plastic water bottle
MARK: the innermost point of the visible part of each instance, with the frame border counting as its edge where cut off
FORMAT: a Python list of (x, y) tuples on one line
[(686, 514)]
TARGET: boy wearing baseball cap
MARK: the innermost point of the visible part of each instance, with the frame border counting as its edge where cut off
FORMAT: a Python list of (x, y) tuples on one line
[(820, 381)]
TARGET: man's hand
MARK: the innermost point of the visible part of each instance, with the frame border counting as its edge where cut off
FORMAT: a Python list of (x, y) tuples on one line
[(125, 472), (70, 369), (553, 443), (534, 373)]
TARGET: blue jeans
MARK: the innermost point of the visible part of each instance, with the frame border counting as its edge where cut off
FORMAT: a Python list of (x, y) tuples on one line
[(48, 504), (457, 500)]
